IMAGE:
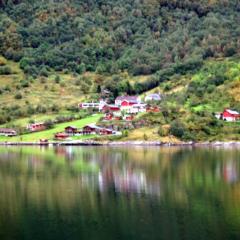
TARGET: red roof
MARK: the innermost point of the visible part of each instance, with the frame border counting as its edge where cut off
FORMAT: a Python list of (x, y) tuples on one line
[(62, 135)]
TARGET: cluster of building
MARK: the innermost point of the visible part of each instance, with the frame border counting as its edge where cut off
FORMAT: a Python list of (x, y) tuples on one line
[(228, 115), (34, 127), (124, 107), (90, 129)]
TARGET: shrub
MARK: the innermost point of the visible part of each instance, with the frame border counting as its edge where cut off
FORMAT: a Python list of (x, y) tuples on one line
[(49, 124), (5, 70), (18, 96), (145, 137), (24, 83), (43, 72), (162, 132), (57, 79), (177, 129)]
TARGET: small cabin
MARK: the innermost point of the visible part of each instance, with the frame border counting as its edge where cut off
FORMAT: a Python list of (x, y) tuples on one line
[(110, 108), (61, 136), (94, 129), (153, 97), (86, 105), (89, 129), (71, 130), (35, 127), (137, 108), (8, 132)]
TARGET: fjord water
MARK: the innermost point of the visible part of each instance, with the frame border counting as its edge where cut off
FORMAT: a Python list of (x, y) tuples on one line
[(119, 193)]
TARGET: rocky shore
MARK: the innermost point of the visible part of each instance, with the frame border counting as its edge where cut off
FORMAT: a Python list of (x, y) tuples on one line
[(122, 143)]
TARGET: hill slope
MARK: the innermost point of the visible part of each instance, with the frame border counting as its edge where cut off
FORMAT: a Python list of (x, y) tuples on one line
[(141, 37), (53, 54)]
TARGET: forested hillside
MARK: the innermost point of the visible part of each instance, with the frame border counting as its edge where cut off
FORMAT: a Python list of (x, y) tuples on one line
[(55, 53), (107, 36)]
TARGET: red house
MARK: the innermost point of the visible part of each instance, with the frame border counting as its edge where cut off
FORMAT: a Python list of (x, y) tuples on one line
[(71, 130), (110, 108), (35, 127), (61, 136), (94, 129), (230, 115), (89, 129), (8, 132), (127, 100)]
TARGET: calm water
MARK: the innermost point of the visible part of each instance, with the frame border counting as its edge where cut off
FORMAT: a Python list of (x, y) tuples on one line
[(119, 193)]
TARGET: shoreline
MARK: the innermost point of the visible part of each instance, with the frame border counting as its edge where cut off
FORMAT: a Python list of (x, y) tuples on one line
[(123, 143)]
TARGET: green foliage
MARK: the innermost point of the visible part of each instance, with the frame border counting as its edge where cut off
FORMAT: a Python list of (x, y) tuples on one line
[(142, 37), (18, 96), (177, 129), (5, 70), (49, 124)]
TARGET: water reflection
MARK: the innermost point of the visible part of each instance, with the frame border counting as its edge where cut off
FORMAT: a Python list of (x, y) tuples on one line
[(175, 192)]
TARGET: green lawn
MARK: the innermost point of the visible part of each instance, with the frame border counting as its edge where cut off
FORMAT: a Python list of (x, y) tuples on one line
[(23, 122), (49, 134)]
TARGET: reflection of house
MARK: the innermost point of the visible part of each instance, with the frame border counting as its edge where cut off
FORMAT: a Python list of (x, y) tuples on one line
[(7, 132), (34, 127), (229, 172), (153, 97), (126, 101), (229, 115)]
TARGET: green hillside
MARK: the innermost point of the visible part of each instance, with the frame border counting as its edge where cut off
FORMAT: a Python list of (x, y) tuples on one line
[(53, 54)]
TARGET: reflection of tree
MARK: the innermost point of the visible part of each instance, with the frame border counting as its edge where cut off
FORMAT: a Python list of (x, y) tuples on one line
[(201, 184)]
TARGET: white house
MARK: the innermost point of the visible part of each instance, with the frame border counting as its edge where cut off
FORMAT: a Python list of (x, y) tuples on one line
[(137, 108), (153, 97)]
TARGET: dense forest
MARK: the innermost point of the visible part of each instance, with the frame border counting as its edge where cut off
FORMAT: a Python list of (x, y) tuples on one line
[(108, 36)]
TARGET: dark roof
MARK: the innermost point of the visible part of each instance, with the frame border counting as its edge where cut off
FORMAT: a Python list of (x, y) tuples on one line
[(73, 127)]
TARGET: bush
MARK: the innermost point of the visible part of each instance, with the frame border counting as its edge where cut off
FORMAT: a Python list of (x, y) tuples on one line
[(162, 132), (18, 96), (5, 70), (43, 72), (24, 84), (49, 124), (57, 79), (145, 137), (177, 129)]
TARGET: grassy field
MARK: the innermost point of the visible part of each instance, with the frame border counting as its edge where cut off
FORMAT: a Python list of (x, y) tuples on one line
[(23, 122), (148, 134), (49, 134)]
